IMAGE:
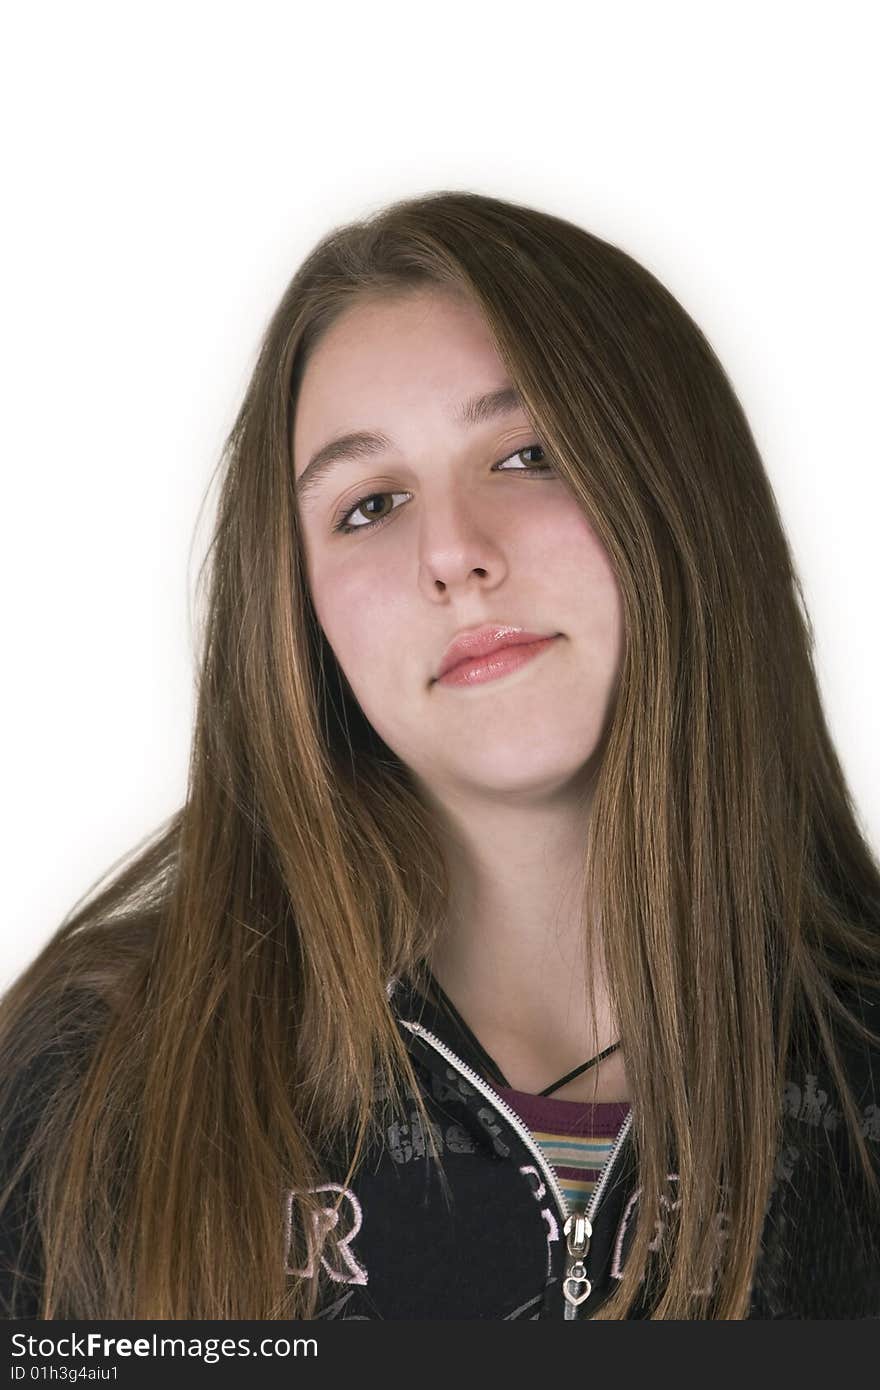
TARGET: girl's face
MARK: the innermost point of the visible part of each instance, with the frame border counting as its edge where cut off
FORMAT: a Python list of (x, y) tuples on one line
[(448, 541)]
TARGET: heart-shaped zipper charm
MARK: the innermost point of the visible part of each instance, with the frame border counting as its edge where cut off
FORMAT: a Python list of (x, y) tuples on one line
[(577, 1298)]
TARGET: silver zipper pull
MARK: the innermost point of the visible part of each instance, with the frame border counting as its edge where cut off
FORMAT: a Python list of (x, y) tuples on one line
[(576, 1286)]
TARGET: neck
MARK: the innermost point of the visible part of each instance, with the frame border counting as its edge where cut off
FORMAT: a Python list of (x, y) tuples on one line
[(513, 955)]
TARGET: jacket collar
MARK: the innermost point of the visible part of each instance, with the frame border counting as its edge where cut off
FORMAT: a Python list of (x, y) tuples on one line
[(409, 1005)]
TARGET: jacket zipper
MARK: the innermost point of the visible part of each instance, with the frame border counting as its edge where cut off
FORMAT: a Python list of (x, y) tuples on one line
[(577, 1226)]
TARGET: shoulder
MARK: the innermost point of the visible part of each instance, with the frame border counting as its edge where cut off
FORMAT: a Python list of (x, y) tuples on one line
[(812, 1093), (27, 1099), (820, 1255), (51, 1023)]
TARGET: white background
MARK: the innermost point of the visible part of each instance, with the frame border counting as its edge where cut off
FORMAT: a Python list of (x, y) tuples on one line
[(166, 167)]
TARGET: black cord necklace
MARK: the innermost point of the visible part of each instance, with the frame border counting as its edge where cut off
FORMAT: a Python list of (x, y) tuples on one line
[(490, 1066)]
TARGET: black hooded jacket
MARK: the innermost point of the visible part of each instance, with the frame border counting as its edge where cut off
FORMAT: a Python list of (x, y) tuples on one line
[(500, 1249), (494, 1244)]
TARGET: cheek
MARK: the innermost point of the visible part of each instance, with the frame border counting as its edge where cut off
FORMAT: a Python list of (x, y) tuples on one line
[(358, 608), (572, 549), (581, 569)]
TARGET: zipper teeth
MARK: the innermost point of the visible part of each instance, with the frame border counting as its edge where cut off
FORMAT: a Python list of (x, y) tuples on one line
[(501, 1104)]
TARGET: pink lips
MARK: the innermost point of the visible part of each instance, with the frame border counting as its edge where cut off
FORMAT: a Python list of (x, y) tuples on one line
[(500, 663), (486, 641)]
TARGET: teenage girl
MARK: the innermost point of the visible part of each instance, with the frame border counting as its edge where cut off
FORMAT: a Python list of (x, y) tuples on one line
[(515, 950)]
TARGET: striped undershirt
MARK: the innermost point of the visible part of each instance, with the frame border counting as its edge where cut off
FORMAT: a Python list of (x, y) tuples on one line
[(576, 1136)]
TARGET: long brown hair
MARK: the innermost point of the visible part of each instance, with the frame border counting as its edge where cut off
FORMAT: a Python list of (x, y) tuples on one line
[(214, 1016)]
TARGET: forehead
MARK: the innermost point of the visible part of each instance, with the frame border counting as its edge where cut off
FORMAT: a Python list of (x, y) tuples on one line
[(425, 349)]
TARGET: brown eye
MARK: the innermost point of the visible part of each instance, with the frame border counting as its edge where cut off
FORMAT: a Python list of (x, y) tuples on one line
[(342, 522), (529, 449), (373, 497)]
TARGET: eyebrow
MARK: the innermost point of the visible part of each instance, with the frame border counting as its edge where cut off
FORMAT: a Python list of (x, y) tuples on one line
[(365, 443)]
